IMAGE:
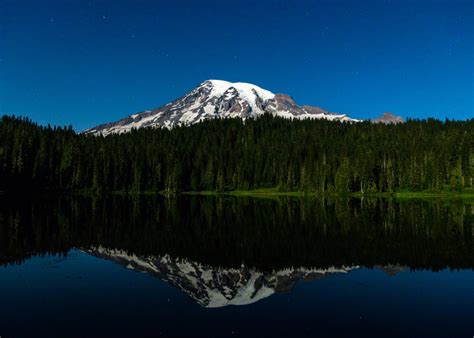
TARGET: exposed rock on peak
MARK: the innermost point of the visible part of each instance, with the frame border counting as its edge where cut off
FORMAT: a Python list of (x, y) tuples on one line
[(388, 118), (217, 99), (315, 110)]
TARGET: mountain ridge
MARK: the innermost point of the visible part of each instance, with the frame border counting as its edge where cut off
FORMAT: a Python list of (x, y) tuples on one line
[(218, 99)]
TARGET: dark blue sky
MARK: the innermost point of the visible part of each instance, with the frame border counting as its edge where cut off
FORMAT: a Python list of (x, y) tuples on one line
[(86, 62)]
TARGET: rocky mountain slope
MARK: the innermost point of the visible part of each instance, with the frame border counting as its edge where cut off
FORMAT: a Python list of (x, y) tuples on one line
[(218, 99), (388, 118)]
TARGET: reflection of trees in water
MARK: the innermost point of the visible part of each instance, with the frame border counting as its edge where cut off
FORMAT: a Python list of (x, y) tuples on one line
[(268, 233)]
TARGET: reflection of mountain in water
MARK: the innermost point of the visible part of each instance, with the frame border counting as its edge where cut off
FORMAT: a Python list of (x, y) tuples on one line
[(217, 286)]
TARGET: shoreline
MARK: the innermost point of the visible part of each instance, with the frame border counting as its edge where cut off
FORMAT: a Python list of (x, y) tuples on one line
[(467, 194), (276, 193)]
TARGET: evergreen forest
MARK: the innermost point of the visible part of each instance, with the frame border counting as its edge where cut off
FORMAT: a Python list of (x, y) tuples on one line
[(311, 156)]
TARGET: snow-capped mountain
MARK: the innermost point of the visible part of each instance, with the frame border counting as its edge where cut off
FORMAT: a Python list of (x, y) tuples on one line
[(218, 99), (214, 287)]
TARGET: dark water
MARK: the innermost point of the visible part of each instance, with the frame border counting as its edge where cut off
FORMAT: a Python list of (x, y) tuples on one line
[(236, 267)]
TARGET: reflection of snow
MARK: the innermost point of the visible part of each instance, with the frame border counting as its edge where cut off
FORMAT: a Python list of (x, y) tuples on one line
[(216, 286)]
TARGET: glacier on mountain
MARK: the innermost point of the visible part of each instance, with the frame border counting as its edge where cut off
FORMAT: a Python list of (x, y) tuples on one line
[(218, 99)]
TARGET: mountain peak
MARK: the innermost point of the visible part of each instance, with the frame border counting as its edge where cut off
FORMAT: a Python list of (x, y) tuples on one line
[(388, 118), (217, 99), (219, 87)]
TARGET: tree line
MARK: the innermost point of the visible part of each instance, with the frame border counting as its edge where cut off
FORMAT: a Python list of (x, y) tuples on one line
[(227, 154)]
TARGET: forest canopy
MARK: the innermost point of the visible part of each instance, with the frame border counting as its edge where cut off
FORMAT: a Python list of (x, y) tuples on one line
[(227, 154)]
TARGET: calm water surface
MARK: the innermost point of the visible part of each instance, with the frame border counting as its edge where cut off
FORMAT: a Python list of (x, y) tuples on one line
[(236, 267)]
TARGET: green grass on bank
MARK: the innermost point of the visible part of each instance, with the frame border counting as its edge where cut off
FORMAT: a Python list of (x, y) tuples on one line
[(404, 194), (466, 194)]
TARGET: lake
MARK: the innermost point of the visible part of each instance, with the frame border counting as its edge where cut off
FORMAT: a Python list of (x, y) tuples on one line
[(210, 266)]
